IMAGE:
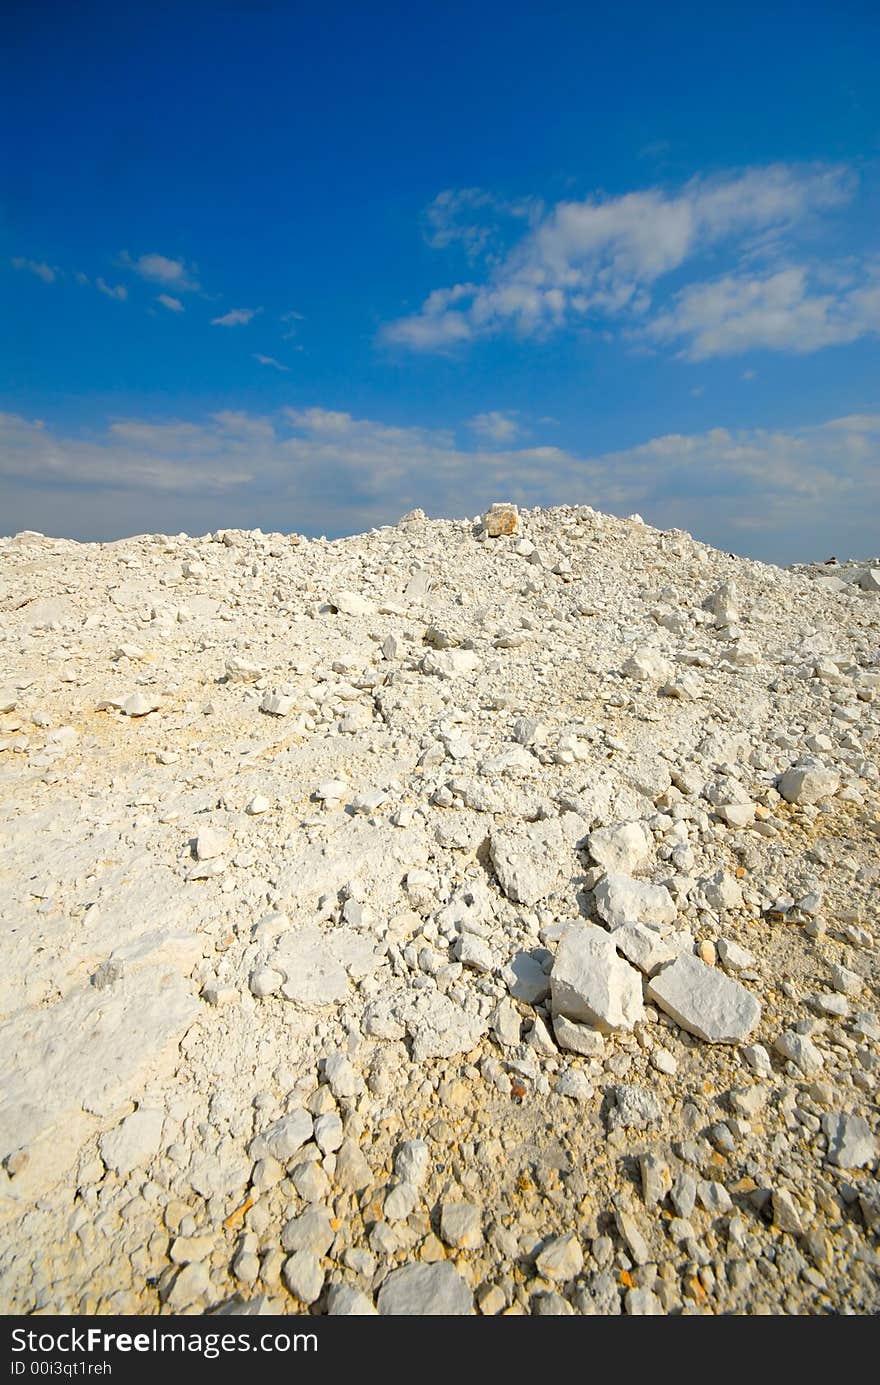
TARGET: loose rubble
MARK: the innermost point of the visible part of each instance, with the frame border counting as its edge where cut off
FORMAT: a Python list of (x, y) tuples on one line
[(470, 916)]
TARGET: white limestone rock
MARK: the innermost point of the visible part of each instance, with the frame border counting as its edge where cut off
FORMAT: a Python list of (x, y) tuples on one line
[(342, 1076), (851, 1144), (277, 704), (352, 1172), (620, 899), (647, 949), (808, 781), (285, 1138), (591, 984), (313, 976), (332, 791), (89, 1051), (206, 870), (800, 1050), (844, 981), (352, 604), (400, 1202), (507, 1022), (242, 671), (721, 891), (787, 1215), (528, 860), (634, 1108), (211, 842), (736, 814), (704, 1001), (461, 1225), (723, 604), (139, 705), (450, 663), (329, 1132), (474, 953), (191, 1286), (303, 1276), (733, 957), (425, 1291), (411, 1162), (347, 1301), (578, 1038), (312, 1231), (526, 978), (623, 849), (133, 1143), (575, 1084), (868, 579), (561, 1259), (511, 760), (648, 665), (438, 1027)]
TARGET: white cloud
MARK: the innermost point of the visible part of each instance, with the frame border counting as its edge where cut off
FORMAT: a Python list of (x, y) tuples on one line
[(269, 360), (240, 424), (320, 421), (131, 456), (161, 269), (496, 426), (777, 312), (117, 291), (43, 271), (291, 319), (472, 218), (162, 437), (168, 301), (449, 218), (784, 494), (439, 324), (236, 317), (81, 278), (599, 259)]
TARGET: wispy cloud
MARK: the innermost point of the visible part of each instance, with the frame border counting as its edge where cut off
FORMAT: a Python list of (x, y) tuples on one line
[(655, 149), (117, 291), (82, 279), (473, 218), (162, 269), (322, 422), (236, 317), (600, 259), (291, 319), (48, 273), (776, 312), (168, 301), (269, 360), (495, 426), (237, 423), (783, 494)]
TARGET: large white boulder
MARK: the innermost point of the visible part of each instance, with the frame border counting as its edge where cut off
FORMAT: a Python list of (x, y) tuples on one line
[(704, 1001), (591, 983)]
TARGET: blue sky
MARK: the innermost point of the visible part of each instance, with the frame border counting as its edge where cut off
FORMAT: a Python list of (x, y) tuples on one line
[(306, 267)]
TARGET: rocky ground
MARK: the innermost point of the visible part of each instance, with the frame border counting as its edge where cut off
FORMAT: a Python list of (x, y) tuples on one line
[(463, 916)]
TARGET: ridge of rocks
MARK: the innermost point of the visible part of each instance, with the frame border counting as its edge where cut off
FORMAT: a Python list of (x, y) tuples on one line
[(469, 915)]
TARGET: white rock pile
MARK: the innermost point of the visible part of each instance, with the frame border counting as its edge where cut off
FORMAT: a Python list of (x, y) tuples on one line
[(466, 916)]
